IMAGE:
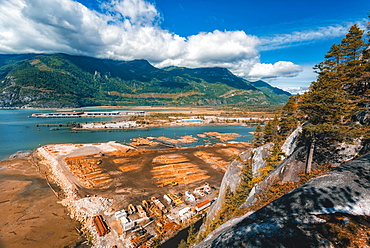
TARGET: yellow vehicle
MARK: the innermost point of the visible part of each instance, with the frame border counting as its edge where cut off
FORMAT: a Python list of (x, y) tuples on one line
[(175, 198), (170, 183), (145, 204), (131, 209)]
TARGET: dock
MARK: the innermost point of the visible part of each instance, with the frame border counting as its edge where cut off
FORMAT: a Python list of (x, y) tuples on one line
[(87, 114)]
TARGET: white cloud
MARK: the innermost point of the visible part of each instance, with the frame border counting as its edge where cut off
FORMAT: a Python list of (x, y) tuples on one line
[(234, 50), (279, 69), (287, 40), (128, 29), (303, 79), (136, 11)]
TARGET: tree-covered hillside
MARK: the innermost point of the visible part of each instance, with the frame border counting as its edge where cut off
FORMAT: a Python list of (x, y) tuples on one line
[(336, 107), (330, 125), (61, 80)]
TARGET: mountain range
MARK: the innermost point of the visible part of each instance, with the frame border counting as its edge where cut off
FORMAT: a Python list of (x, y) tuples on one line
[(61, 80)]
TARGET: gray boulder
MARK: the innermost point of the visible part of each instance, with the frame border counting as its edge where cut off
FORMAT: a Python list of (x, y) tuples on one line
[(294, 220)]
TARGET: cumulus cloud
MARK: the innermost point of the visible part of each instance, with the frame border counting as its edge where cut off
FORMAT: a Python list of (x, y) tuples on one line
[(303, 79), (126, 30), (234, 50), (279, 69)]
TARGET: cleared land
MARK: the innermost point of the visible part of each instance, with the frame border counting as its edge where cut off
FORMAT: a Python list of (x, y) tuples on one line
[(94, 169), (108, 177)]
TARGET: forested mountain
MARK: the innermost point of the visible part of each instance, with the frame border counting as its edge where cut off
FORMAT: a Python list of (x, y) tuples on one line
[(61, 80)]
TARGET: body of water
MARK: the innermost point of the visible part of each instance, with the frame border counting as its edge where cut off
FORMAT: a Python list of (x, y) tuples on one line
[(19, 132)]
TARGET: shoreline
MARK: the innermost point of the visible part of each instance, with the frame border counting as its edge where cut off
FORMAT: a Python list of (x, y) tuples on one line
[(150, 126)]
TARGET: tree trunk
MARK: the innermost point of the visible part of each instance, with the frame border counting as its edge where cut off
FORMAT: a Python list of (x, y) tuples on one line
[(310, 157)]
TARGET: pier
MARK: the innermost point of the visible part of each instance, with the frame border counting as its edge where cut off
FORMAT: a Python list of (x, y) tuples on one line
[(87, 114)]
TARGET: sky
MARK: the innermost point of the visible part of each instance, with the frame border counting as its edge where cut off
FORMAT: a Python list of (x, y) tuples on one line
[(275, 41)]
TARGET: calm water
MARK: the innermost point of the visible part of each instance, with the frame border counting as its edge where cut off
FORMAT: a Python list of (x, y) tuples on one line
[(18, 132)]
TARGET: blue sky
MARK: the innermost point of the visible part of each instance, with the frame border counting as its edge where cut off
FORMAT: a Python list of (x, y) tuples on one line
[(276, 41)]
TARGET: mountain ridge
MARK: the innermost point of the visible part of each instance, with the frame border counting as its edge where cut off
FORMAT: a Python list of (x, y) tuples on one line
[(62, 80)]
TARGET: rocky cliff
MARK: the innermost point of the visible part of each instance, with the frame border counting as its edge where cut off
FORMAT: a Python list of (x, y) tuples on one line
[(232, 176), (287, 176), (332, 210)]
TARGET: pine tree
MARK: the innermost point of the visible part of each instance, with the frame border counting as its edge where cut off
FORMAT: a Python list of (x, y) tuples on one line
[(331, 100), (257, 136), (352, 50), (291, 106), (332, 62), (192, 235), (363, 82), (289, 119), (325, 103), (270, 131), (352, 46), (245, 186)]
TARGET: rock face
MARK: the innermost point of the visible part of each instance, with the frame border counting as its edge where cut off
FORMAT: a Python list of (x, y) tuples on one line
[(289, 170), (302, 217), (257, 154), (230, 180), (363, 116), (291, 142), (232, 177), (26, 97)]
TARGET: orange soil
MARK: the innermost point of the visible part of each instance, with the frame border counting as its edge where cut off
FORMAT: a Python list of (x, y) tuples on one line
[(170, 158), (87, 170), (210, 158), (126, 168)]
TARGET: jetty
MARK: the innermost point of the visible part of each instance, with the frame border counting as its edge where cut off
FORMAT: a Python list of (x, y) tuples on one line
[(87, 114)]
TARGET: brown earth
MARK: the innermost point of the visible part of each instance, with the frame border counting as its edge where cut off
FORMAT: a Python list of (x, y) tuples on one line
[(30, 214), (139, 175)]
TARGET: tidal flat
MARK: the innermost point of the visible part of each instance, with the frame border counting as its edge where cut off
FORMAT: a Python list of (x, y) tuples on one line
[(30, 213)]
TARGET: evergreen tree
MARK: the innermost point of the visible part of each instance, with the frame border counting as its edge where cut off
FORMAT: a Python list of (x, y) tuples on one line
[(352, 46), (192, 235), (270, 131), (324, 103), (258, 136), (289, 119), (333, 97), (245, 186), (353, 64)]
